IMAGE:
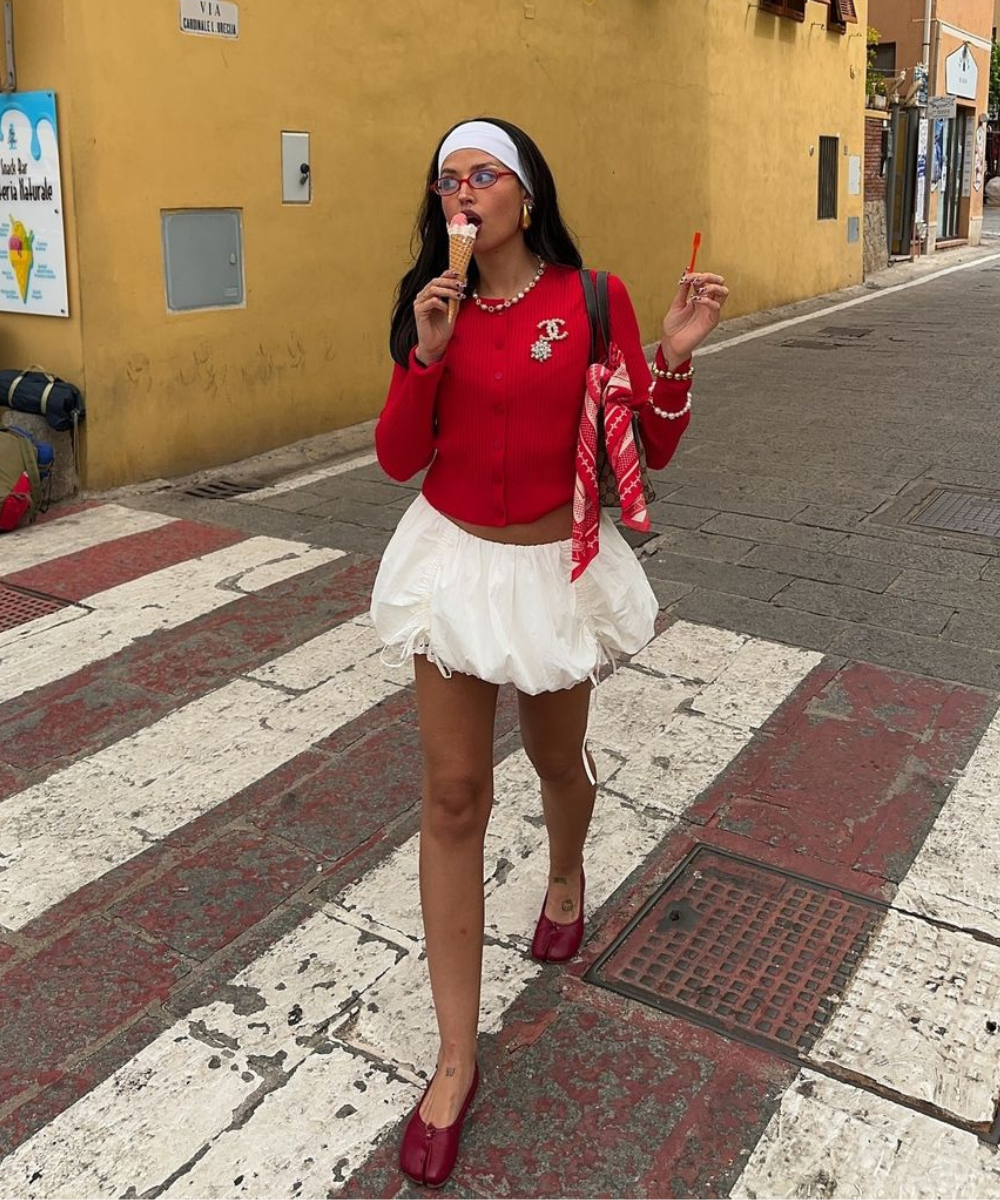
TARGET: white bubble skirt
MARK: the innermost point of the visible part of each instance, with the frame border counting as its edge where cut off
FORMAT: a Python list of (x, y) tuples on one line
[(508, 614)]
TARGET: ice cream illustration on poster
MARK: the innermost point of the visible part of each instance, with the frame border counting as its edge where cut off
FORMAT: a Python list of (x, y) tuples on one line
[(32, 239)]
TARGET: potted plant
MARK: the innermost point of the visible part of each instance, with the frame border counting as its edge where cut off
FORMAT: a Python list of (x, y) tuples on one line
[(876, 91)]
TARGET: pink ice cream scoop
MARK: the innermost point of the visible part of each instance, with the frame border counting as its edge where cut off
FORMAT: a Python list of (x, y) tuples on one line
[(461, 235), (15, 243)]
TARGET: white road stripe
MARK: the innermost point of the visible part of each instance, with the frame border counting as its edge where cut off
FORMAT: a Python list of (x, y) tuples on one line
[(99, 812), (956, 876), (52, 647), (36, 544), (303, 481), (914, 1019), (200, 1078), (831, 1139), (172, 1118), (841, 306)]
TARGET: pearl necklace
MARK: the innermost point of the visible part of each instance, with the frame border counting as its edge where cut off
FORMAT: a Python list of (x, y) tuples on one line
[(495, 308)]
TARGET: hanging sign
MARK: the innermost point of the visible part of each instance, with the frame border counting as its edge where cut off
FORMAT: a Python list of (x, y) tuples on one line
[(980, 168), (920, 204), (210, 18), (961, 73), (32, 240), (942, 108)]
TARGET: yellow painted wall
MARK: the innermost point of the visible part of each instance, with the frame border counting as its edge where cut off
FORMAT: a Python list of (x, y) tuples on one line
[(657, 119), (54, 342)]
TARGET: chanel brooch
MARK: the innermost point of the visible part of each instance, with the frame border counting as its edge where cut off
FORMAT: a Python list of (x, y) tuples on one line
[(552, 331)]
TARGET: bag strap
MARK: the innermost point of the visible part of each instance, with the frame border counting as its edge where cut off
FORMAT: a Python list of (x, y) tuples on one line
[(596, 299), (27, 371)]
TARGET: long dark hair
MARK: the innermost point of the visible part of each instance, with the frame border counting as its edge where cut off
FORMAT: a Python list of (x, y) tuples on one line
[(548, 237)]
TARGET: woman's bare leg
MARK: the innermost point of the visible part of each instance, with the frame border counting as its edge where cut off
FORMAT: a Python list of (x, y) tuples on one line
[(456, 733), (553, 728)]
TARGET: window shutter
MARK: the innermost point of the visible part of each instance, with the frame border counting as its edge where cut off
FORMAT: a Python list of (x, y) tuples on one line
[(846, 12), (796, 9)]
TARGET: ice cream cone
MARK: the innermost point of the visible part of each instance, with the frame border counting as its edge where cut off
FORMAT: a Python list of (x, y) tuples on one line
[(21, 263), (461, 239)]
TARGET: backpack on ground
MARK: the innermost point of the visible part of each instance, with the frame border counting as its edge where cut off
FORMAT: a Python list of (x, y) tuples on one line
[(20, 478)]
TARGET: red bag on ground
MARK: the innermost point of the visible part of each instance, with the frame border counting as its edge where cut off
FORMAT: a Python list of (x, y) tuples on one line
[(16, 505)]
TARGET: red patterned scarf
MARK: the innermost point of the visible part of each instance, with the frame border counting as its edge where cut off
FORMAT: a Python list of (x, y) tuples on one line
[(608, 388)]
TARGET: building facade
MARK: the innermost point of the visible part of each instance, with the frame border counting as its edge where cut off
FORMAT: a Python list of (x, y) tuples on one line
[(940, 125), (220, 301)]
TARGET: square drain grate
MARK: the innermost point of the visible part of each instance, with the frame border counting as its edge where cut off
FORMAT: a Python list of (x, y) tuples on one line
[(17, 606), (961, 512), (750, 951), (223, 489)]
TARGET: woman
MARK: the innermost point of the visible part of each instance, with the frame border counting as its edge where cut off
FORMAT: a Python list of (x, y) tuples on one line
[(488, 579)]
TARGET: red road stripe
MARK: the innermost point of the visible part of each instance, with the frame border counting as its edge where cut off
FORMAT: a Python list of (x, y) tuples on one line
[(848, 779), (103, 702), (85, 572)]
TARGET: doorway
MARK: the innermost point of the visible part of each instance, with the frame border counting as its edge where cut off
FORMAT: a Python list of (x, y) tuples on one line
[(951, 139)]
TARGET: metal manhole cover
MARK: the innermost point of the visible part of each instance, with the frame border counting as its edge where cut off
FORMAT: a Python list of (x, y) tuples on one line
[(222, 489), (18, 606), (961, 512), (750, 951)]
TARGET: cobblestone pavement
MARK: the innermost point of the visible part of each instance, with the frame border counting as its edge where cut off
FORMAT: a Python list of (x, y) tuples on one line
[(211, 973)]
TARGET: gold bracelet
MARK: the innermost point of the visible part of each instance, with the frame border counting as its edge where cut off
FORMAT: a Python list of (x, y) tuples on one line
[(672, 376)]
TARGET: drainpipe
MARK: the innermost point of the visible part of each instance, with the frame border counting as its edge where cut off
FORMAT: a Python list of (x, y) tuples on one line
[(929, 13)]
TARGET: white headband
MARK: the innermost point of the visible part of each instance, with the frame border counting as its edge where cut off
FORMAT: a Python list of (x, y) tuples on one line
[(481, 135)]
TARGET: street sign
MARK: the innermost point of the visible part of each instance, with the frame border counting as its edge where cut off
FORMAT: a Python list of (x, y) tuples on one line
[(210, 18), (941, 108)]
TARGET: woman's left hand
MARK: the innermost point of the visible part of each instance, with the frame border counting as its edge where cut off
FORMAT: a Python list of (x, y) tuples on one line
[(693, 315)]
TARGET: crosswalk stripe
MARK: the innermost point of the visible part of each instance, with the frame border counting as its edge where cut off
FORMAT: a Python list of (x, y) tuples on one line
[(294, 482), (352, 973), (914, 1019), (37, 544), (54, 646), (105, 809)]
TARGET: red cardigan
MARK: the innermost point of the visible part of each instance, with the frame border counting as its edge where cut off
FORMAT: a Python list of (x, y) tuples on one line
[(500, 425)]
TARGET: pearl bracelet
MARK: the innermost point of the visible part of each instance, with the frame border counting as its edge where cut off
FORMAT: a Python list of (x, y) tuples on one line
[(671, 416), (672, 376)]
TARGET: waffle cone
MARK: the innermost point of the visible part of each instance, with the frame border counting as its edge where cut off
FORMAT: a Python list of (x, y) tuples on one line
[(21, 262), (459, 257)]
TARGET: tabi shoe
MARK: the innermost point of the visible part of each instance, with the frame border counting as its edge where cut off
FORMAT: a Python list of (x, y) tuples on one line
[(554, 942), (427, 1154)]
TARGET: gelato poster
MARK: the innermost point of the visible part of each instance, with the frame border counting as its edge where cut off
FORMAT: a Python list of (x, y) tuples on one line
[(32, 241)]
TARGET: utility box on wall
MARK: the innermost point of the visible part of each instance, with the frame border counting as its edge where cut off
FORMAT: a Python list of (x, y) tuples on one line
[(296, 171), (203, 258)]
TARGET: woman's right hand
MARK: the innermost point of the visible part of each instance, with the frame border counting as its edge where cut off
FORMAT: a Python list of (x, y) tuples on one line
[(431, 310)]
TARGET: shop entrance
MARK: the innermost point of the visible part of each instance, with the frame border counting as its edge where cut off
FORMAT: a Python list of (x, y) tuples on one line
[(950, 150)]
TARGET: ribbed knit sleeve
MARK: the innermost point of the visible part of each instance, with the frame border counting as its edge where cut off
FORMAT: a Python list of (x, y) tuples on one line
[(404, 435), (660, 436)]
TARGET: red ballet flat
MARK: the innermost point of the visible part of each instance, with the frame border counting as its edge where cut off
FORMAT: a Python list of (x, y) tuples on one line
[(427, 1154), (554, 942)]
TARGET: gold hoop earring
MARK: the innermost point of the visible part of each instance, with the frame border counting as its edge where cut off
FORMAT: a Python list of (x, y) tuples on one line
[(525, 216)]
